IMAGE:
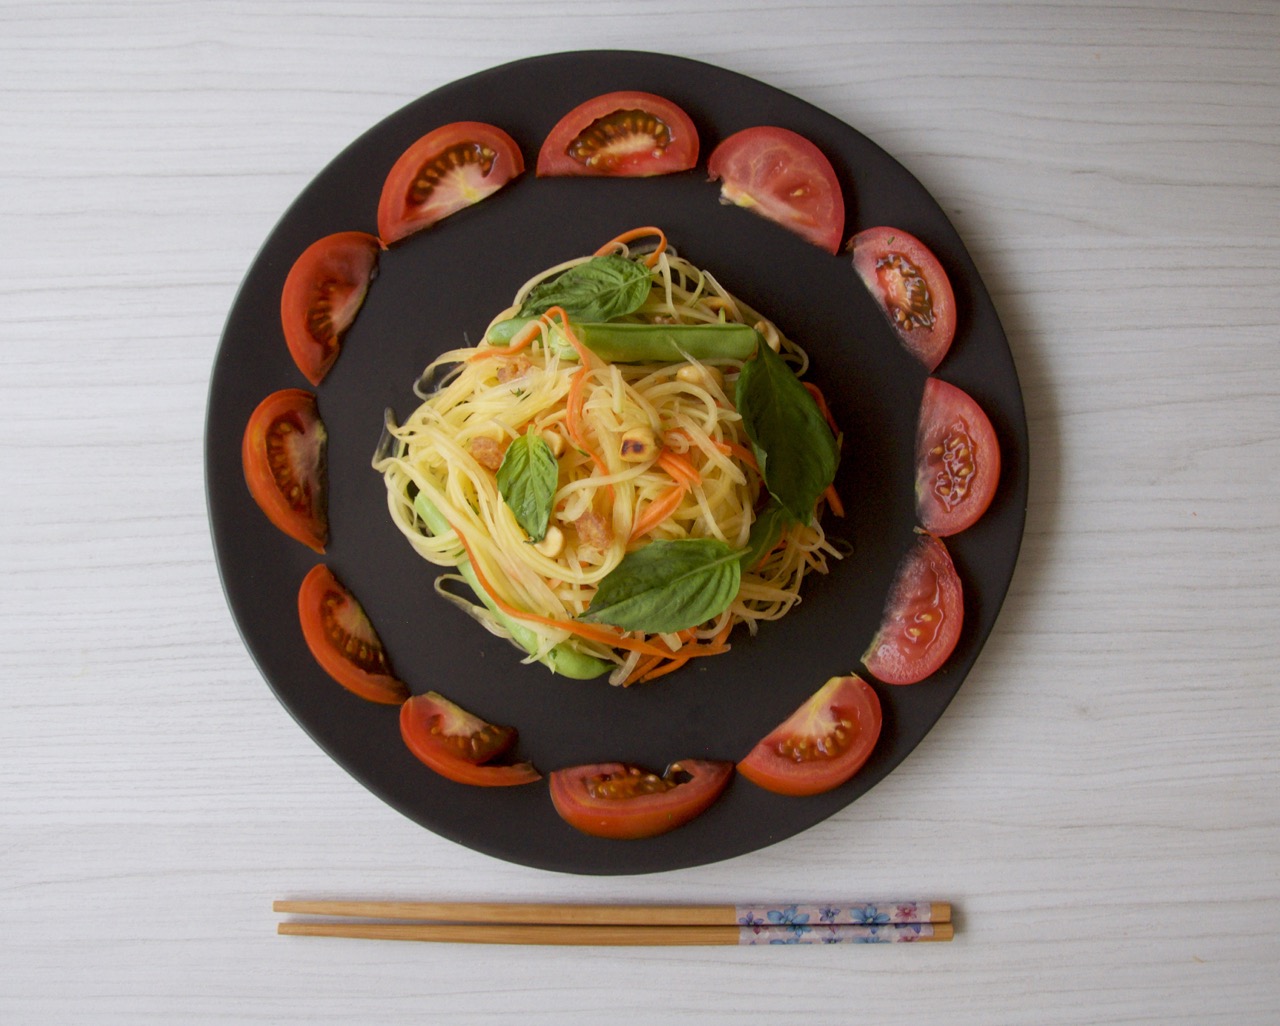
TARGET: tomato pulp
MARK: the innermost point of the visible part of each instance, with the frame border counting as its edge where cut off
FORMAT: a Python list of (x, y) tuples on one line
[(622, 134), (922, 618), (459, 745), (822, 744), (322, 294), (623, 802), (450, 168), (784, 177), (283, 453), (957, 460), (343, 641), (912, 289)]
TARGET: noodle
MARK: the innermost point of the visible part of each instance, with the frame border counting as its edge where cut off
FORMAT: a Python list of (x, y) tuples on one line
[(696, 470)]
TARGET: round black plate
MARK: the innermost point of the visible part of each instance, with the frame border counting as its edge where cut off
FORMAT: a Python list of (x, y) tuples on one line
[(441, 287)]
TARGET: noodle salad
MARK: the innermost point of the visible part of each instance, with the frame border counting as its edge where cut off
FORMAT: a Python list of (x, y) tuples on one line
[(626, 467)]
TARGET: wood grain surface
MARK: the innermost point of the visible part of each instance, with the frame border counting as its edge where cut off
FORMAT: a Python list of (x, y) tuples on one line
[(1100, 803)]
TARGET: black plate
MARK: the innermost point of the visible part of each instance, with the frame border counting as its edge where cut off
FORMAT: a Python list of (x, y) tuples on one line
[(442, 286)]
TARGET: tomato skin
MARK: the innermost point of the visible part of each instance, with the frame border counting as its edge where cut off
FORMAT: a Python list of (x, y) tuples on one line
[(925, 598), (635, 815), (957, 460), (322, 294), (822, 744), (448, 169), (658, 138), (331, 619), (912, 288), (459, 745), (283, 449), (784, 177)]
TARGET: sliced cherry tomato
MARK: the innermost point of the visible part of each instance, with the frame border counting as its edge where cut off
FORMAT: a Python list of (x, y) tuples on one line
[(322, 295), (957, 460), (922, 617), (343, 640), (913, 289), (624, 135), (784, 177), (618, 801), (453, 167), (459, 745), (283, 453), (822, 744)]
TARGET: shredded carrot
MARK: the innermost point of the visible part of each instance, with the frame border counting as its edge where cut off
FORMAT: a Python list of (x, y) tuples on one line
[(679, 467), (642, 667), (658, 510), (670, 666), (744, 454), (523, 339), (631, 236), (823, 408), (833, 500)]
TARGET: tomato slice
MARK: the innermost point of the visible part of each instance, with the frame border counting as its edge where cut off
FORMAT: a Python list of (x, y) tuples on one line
[(459, 745), (322, 294), (624, 802), (343, 640), (450, 168), (912, 288), (623, 135), (782, 176), (283, 453), (922, 617), (957, 460), (822, 744)]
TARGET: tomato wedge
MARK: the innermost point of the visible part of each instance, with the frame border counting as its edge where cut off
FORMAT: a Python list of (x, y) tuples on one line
[(459, 745), (957, 460), (822, 744), (624, 802), (912, 288), (322, 294), (784, 177), (283, 453), (922, 617), (448, 169), (623, 135), (343, 640)]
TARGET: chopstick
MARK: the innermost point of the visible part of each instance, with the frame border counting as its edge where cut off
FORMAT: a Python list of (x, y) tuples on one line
[(630, 925)]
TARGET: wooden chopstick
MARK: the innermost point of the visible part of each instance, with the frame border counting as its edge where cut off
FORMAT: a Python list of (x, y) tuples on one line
[(598, 924), (857, 913), (622, 935)]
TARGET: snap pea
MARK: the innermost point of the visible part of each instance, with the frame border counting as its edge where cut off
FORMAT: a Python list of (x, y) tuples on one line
[(620, 342), (563, 659)]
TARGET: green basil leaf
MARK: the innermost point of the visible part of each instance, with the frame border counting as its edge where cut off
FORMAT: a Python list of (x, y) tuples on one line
[(766, 531), (668, 586), (600, 289), (527, 482), (794, 447)]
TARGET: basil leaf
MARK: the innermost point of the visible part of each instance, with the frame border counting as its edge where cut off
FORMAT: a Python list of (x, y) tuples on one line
[(766, 531), (527, 482), (793, 445), (600, 289), (668, 586)]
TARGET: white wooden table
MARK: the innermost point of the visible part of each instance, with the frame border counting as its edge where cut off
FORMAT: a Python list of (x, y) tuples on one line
[(1101, 799)]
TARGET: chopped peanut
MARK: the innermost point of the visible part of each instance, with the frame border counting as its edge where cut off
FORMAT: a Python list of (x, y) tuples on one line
[(555, 440), (639, 445), (701, 375), (552, 542)]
